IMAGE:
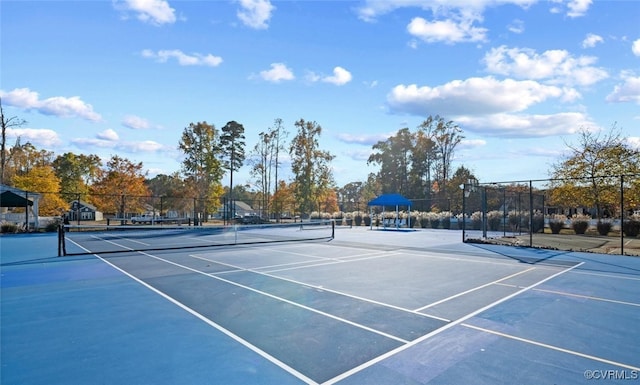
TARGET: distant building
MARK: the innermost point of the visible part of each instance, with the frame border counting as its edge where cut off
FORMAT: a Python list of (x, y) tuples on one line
[(83, 211), (239, 208)]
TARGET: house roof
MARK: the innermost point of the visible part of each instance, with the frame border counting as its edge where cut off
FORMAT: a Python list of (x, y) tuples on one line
[(85, 204), (241, 205)]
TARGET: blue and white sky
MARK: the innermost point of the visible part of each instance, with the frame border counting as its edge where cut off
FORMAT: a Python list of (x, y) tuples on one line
[(125, 77)]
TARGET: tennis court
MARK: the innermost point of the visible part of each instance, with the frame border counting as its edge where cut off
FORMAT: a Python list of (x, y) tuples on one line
[(365, 307)]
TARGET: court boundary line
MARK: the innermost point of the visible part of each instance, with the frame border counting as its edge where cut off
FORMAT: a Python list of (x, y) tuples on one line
[(567, 294), (228, 333), (291, 265), (336, 261), (443, 328), (368, 300), (552, 347), (339, 319), (475, 258), (607, 275), (497, 281)]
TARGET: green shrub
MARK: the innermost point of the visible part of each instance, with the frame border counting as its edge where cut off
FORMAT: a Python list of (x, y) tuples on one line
[(632, 228), (367, 220), (604, 227), (514, 220), (446, 221), (538, 222), (476, 220), (556, 227), (580, 223), (424, 222), (494, 218), (8, 228), (556, 223), (358, 219), (51, 227)]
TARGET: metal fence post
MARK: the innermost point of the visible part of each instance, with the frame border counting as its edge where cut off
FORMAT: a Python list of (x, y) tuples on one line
[(464, 199), (621, 214), (530, 213)]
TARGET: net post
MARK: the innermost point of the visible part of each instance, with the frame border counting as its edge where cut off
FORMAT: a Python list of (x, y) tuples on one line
[(59, 241), (333, 229), (62, 248)]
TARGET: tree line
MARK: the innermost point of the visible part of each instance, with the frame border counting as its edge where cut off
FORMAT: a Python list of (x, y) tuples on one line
[(415, 163)]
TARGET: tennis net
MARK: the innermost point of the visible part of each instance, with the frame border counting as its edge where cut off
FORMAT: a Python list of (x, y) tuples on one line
[(100, 239)]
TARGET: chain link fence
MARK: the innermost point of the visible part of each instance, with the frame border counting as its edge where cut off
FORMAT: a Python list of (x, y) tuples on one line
[(599, 214)]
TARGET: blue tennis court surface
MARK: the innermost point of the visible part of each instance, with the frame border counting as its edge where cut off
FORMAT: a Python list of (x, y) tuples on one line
[(369, 307)]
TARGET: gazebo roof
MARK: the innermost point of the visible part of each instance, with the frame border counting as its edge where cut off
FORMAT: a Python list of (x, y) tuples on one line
[(11, 199), (390, 200)]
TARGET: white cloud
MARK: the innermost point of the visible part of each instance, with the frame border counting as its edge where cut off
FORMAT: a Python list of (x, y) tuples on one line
[(447, 31), (453, 21), (554, 66), (634, 142), (364, 139), (109, 135), (591, 40), (144, 146), (472, 143), (370, 84), (91, 143), (155, 12), (473, 96), (516, 26), (277, 73), (635, 47), (58, 105), (578, 8), (340, 77), (627, 92), (312, 77), (195, 59), (40, 137), (525, 125), (374, 8), (575, 8), (135, 122), (255, 13), (110, 139)]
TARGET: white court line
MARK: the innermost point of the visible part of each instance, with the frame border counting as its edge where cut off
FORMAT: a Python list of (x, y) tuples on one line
[(343, 320), (563, 350), (336, 261), (476, 259), (238, 268), (266, 274), (612, 275), (297, 254), (114, 243), (564, 293), (442, 329), (227, 332), (473, 289)]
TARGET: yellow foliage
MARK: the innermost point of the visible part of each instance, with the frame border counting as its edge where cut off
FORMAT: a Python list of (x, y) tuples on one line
[(42, 179)]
